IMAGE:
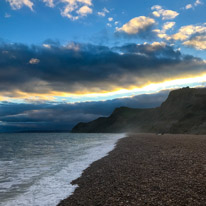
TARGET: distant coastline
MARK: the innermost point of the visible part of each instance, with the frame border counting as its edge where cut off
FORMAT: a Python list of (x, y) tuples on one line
[(183, 112)]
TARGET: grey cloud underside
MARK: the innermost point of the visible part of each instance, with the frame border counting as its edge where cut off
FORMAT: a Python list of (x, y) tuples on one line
[(62, 117), (81, 66)]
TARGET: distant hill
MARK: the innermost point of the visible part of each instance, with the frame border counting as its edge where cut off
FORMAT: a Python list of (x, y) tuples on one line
[(184, 111)]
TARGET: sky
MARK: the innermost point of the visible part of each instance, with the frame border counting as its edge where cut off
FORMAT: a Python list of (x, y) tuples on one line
[(61, 60)]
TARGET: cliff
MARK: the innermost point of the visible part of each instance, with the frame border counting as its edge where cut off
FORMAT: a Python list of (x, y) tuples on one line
[(184, 111)]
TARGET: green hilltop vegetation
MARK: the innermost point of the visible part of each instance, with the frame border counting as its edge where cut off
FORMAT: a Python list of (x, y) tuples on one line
[(184, 111)]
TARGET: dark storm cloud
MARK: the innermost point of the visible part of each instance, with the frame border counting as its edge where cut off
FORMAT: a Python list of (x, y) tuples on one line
[(62, 117), (78, 67), (158, 50)]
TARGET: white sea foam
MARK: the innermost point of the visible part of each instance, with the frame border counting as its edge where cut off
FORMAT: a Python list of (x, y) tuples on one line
[(46, 185)]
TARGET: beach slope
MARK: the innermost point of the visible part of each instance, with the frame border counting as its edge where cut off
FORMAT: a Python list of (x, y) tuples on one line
[(146, 169)]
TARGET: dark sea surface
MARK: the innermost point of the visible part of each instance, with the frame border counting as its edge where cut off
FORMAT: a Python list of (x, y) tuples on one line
[(36, 169)]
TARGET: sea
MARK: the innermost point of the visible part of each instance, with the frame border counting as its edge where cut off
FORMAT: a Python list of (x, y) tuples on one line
[(36, 169)]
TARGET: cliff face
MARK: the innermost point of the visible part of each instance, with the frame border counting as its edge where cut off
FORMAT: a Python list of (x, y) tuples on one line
[(184, 111)]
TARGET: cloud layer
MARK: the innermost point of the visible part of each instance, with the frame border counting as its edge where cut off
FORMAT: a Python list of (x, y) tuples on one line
[(192, 6), (62, 117), (85, 69), (72, 9), (137, 26), (198, 42), (158, 11), (18, 4), (158, 25), (151, 29)]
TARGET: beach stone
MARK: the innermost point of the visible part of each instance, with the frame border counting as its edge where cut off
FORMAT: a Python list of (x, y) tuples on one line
[(146, 169)]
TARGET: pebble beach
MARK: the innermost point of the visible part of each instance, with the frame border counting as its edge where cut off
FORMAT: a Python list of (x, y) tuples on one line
[(146, 169)]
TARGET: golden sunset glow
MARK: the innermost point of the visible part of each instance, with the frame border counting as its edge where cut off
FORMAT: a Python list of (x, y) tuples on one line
[(151, 87)]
